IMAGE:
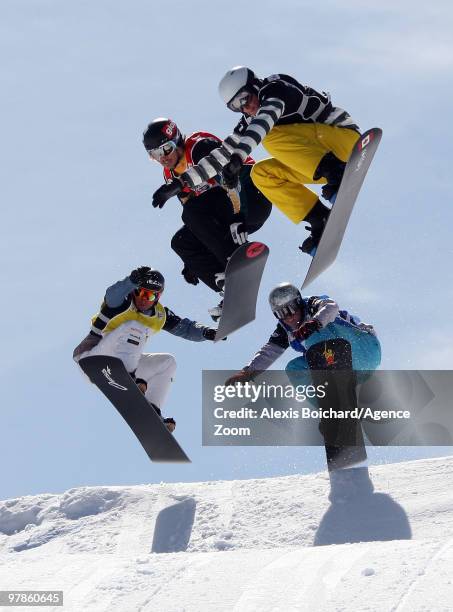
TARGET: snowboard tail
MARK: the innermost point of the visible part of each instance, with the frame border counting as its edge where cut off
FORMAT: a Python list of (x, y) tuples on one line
[(242, 282), (112, 378)]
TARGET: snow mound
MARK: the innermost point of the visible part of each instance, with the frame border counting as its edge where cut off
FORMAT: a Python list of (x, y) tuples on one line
[(38, 520), (270, 544), (77, 503)]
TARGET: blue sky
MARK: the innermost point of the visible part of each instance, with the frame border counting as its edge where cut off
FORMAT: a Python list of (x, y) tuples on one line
[(80, 82)]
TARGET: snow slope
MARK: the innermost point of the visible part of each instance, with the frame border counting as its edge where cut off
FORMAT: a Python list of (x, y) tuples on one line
[(271, 544)]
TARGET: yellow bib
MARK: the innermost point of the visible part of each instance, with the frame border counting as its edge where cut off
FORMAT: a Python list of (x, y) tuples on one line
[(153, 322)]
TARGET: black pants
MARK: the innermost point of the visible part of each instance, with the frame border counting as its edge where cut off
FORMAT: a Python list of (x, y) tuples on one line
[(343, 438), (204, 243)]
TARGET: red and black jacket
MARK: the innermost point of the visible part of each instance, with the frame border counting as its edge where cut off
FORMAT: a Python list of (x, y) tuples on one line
[(197, 146)]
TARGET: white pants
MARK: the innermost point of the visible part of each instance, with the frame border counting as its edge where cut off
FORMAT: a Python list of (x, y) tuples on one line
[(126, 342)]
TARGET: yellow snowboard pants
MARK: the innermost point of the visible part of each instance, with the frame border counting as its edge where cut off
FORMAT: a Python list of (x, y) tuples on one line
[(296, 151)]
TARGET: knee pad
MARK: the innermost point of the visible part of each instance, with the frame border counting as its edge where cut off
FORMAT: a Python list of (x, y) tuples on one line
[(170, 362), (162, 362)]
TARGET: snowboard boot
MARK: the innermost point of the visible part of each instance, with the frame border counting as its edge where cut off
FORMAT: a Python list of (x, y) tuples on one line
[(140, 382), (317, 218), (220, 280), (349, 485), (332, 169), (216, 311), (169, 422)]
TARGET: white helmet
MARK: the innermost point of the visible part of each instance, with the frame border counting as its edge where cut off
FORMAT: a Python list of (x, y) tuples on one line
[(237, 79), (285, 299)]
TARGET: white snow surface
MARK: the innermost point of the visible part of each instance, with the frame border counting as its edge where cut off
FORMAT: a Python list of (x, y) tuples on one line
[(273, 544)]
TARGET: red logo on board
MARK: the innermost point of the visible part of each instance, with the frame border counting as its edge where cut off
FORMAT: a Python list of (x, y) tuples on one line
[(366, 141), (255, 249)]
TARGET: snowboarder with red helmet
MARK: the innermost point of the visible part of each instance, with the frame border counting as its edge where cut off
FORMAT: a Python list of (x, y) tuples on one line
[(216, 219)]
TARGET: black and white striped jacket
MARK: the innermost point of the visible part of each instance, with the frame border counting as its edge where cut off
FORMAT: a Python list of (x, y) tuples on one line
[(282, 101)]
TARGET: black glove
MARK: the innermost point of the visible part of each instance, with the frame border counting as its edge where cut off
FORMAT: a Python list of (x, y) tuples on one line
[(209, 333), (140, 275), (165, 192), (307, 329), (238, 230), (189, 276), (231, 171)]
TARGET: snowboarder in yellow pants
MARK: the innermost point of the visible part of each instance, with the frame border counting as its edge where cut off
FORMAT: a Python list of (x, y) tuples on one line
[(297, 150), (309, 139)]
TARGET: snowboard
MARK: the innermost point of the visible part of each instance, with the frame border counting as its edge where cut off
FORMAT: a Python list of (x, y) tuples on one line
[(353, 177), (242, 282), (112, 378)]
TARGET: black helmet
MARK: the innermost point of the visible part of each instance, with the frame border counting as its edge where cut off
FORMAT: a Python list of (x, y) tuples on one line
[(285, 299), (154, 281), (159, 132)]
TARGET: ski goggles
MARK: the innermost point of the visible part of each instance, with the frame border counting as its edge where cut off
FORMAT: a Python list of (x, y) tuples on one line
[(165, 149), (287, 310), (148, 294), (240, 101)]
